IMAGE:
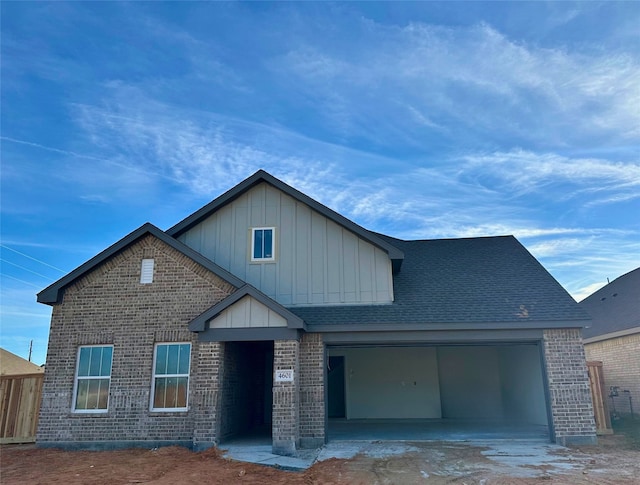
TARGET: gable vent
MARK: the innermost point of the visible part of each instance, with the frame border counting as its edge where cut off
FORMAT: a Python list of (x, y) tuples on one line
[(146, 274)]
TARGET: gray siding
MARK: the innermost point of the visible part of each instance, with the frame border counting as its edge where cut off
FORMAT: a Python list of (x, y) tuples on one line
[(317, 261)]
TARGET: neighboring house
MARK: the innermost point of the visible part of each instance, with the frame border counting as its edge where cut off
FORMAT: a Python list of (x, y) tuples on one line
[(614, 338), (14, 365), (20, 393), (266, 311)]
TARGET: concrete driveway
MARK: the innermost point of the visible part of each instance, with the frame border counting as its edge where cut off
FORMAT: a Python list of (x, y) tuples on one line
[(515, 458)]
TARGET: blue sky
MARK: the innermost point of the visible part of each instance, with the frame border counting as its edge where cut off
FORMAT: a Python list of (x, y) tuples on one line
[(418, 120)]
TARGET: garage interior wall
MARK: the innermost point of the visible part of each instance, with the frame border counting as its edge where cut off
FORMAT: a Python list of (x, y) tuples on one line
[(391, 382), (470, 382), (458, 382), (522, 384)]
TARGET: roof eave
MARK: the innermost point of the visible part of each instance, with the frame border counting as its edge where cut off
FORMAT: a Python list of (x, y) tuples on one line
[(610, 335), (395, 254), (462, 326), (53, 293), (199, 323)]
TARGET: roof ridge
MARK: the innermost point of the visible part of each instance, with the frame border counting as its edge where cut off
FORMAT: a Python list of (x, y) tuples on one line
[(261, 175)]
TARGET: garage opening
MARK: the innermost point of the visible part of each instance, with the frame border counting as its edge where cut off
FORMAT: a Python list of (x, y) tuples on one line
[(438, 392), (247, 392)]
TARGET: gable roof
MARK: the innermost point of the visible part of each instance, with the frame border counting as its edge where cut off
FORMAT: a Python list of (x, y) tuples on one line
[(489, 282), (453, 284), (198, 324), (615, 307), (53, 293), (13, 365), (395, 254)]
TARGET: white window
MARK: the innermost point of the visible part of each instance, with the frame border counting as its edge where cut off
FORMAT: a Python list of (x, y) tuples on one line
[(263, 243), (93, 377), (170, 377), (146, 272)]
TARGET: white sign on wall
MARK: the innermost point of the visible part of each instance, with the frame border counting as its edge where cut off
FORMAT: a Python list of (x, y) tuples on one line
[(284, 375)]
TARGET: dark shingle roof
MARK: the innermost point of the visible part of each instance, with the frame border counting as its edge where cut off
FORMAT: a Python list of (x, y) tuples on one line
[(491, 282), (462, 281), (614, 307)]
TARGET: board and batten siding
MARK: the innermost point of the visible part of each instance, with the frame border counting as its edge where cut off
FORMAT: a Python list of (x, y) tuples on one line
[(317, 261), (248, 312)]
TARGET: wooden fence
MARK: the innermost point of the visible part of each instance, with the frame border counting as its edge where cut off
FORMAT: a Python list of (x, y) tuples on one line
[(599, 396), (20, 398)]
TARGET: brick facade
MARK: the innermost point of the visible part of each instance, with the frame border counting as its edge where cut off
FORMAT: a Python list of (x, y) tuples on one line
[(286, 398), (231, 383), (206, 394), (569, 393), (109, 305), (620, 359), (312, 394)]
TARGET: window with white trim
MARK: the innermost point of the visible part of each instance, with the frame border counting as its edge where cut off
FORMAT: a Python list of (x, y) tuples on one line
[(93, 378), (263, 242), (170, 390)]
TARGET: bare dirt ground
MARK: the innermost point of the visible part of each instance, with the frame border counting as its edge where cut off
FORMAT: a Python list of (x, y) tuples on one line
[(615, 460)]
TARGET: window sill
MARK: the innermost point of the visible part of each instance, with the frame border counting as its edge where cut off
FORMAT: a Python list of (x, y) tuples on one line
[(89, 414), (171, 412)]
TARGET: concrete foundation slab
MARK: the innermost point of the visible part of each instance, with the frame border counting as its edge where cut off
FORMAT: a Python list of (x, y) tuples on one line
[(515, 458), (432, 429), (262, 455)]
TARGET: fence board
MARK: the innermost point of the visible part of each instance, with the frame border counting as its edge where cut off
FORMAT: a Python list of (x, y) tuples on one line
[(20, 398), (599, 397)]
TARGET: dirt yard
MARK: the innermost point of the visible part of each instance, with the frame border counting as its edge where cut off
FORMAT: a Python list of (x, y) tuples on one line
[(614, 461)]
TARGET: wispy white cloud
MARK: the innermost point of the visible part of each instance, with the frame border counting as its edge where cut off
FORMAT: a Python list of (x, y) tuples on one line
[(579, 267), (203, 155), (477, 77), (585, 291), (524, 172), (412, 129), (559, 246), (458, 100), (207, 153)]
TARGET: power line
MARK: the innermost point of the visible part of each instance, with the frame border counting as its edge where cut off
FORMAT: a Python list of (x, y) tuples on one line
[(32, 258), (26, 269), (89, 157), (21, 281)]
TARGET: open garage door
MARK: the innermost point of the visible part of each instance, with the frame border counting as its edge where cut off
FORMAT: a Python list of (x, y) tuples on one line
[(437, 392)]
